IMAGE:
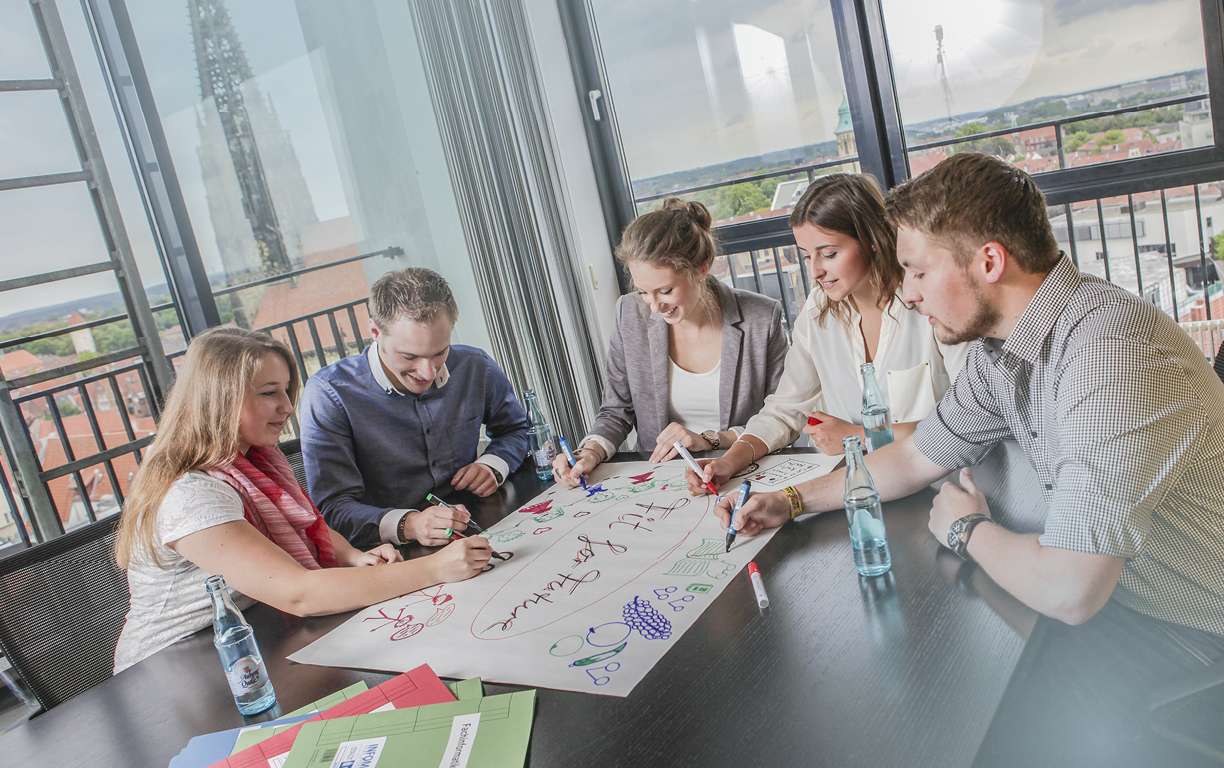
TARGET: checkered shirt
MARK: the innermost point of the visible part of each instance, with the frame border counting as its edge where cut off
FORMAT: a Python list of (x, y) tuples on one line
[(1123, 420)]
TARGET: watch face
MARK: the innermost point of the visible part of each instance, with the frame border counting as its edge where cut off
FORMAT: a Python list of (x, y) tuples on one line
[(954, 534)]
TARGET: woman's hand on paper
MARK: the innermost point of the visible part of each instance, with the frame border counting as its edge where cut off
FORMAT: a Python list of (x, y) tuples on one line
[(673, 433), (585, 461), (716, 471), (462, 559), (828, 432)]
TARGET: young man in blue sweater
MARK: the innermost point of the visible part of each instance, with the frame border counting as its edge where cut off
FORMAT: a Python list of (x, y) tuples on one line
[(382, 429)]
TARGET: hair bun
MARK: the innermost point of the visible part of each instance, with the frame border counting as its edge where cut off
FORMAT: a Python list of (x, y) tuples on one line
[(696, 210)]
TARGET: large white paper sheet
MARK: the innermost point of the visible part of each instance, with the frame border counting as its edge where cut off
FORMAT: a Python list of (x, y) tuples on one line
[(601, 584)]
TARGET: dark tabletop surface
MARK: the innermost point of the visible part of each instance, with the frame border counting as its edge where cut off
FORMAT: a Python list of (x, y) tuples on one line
[(901, 670)]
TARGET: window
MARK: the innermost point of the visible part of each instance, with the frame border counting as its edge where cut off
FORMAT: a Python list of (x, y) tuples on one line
[(735, 104), (1049, 85), (303, 137)]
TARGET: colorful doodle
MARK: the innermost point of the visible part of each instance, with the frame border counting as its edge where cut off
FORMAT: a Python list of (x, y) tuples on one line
[(560, 647), (639, 479), (649, 623)]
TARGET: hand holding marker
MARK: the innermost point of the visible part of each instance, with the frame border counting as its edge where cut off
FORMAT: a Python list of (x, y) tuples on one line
[(452, 535), (739, 502), (693, 465), (569, 456)]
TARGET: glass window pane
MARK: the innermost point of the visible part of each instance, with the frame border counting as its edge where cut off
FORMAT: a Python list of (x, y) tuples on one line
[(1010, 77), (21, 52), (711, 92), (312, 140)]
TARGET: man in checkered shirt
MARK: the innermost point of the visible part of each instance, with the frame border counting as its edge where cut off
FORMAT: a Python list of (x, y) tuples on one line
[(1115, 406)]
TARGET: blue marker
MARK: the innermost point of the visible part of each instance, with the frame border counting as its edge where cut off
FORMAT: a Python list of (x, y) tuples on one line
[(739, 502), (569, 456)]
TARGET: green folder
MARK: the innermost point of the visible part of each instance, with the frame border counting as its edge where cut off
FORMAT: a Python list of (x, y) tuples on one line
[(466, 690), (423, 735), (267, 730), (344, 694)]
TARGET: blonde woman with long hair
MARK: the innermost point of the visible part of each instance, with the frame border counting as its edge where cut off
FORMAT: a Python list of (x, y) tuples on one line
[(214, 495)]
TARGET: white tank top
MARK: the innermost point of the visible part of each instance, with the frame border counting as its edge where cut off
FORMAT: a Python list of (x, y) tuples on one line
[(692, 399)]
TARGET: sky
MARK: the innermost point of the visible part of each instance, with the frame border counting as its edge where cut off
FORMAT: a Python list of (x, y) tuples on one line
[(681, 75), (695, 82)]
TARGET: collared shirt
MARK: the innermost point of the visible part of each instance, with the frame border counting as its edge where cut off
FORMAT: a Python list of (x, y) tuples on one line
[(912, 367), (372, 452), (388, 526), (1123, 421)]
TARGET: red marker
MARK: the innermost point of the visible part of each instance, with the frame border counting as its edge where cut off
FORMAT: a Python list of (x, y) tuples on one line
[(813, 421), (758, 586)]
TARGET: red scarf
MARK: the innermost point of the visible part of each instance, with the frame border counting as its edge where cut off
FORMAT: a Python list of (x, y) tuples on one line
[(275, 504)]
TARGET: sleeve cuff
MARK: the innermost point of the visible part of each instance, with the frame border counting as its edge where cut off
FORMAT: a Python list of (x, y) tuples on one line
[(497, 464), (739, 431), (388, 527), (602, 442)]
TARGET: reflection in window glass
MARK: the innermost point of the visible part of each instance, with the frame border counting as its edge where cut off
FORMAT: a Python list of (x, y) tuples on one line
[(714, 91), (1009, 77), (302, 135)]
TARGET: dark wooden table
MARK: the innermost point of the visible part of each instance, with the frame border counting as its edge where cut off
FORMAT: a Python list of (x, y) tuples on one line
[(901, 670)]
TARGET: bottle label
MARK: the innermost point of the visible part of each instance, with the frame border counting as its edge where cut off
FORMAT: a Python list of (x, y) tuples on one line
[(544, 455), (867, 441), (246, 675)]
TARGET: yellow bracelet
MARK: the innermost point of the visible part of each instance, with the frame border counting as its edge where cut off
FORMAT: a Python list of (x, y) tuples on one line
[(796, 505)]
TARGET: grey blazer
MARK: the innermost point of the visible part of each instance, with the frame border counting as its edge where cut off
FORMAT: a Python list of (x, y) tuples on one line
[(638, 373)]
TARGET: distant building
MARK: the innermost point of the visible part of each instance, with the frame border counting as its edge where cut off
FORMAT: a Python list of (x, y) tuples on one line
[(846, 145), (82, 340)]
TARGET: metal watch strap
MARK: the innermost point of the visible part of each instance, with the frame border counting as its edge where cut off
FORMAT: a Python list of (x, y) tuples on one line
[(711, 437), (959, 532)]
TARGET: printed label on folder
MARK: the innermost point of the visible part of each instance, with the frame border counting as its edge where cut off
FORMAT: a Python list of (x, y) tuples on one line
[(361, 753), (462, 737)]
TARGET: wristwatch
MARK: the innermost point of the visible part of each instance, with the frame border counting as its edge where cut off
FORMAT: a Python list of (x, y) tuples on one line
[(959, 532), (711, 437)]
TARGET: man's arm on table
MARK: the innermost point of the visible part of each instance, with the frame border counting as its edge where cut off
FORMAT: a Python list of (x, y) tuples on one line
[(898, 469), (1061, 583)]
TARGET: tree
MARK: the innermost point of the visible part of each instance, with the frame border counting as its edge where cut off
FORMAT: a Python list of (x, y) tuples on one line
[(739, 199), (1076, 140), (995, 145), (1111, 137)]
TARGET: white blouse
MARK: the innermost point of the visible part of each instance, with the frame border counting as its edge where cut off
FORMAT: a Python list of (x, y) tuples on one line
[(692, 399), (170, 602), (913, 370)]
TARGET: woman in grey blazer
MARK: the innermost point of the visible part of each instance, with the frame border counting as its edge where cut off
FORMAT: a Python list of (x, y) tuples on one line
[(690, 360)]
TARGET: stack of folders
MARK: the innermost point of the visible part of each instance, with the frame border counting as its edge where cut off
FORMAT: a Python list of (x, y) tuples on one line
[(413, 719)]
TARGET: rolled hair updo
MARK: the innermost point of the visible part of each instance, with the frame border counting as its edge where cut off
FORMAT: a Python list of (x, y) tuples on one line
[(198, 429), (677, 236), (851, 204)]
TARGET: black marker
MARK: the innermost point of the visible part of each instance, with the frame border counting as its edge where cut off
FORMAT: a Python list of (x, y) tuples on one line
[(739, 502), (451, 534)]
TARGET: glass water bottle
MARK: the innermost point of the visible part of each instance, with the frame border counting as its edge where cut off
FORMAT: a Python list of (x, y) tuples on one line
[(540, 435), (240, 656), (877, 423), (864, 514)]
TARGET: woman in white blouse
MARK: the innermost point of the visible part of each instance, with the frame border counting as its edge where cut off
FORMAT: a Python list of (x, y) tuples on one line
[(690, 359), (854, 315)]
